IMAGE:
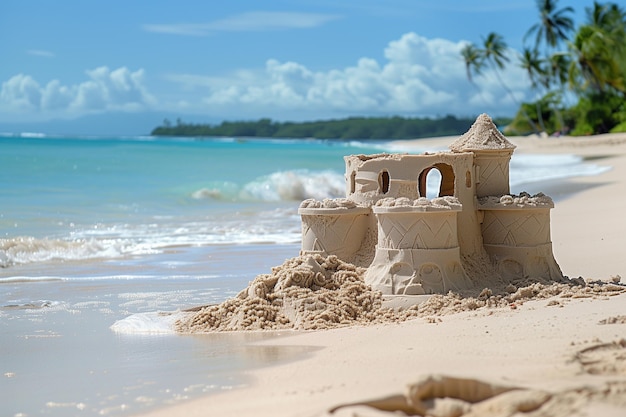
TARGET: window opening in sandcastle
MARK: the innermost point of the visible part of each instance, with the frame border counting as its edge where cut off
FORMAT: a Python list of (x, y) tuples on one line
[(352, 182), (383, 181), (444, 176), (473, 233)]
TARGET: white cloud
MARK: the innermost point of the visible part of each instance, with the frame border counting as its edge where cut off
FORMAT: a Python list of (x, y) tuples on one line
[(120, 90), (245, 22), (21, 92), (419, 76), (56, 96), (41, 53)]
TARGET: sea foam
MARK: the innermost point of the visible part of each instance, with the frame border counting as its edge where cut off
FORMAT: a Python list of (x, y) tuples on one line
[(293, 185), (25, 249), (147, 323), (278, 226)]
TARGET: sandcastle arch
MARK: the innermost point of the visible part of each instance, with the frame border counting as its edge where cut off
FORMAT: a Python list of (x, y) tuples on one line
[(446, 182)]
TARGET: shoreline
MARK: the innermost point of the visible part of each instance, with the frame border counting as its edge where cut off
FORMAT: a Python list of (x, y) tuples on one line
[(534, 345)]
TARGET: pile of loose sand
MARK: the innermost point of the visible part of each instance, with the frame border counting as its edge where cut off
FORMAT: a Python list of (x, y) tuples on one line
[(316, 292), (306, 292), (511, 296)]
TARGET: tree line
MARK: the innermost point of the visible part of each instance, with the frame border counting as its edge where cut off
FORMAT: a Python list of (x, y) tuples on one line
[(349, 128), (561, 61)]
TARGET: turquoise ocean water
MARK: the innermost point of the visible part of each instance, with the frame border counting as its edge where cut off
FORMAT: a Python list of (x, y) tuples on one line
[(95, 229)]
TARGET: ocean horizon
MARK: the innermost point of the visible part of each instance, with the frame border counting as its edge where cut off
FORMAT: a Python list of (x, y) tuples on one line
[(94, 230)]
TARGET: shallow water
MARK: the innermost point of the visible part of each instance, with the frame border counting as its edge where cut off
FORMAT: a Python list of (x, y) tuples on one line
[(80, 368), (61, 358)]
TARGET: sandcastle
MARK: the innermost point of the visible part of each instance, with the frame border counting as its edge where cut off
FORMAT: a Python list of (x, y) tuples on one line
[(473, 234)]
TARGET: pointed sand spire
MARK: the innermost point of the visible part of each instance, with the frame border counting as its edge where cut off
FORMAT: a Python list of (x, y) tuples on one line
[(482, 136)]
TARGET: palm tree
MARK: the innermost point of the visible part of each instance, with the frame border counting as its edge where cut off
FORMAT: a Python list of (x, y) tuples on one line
[(598, 68), (559, 63), (599, 50), (554, 25), (537, 74), (608, 16), (473, 59), (553, 28), (495, 50), (533, 65), (474, 63), (494, 53), (609, 21)]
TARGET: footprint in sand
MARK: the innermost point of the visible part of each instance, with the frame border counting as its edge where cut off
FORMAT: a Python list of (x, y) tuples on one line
[(604, 358), (614, 320)]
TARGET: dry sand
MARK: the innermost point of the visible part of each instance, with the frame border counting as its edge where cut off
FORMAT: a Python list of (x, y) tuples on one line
[(543, 351)]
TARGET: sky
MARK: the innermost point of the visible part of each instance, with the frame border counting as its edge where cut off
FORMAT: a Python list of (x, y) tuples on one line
[(122, 66)]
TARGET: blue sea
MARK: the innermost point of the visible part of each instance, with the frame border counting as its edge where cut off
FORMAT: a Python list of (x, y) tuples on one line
[(94, 230)]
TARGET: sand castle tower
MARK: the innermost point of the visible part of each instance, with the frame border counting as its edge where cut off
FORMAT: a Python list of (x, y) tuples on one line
[(418, 249), (492, 156), (333, 227), (516, 234), (515, 230), (489, 175)]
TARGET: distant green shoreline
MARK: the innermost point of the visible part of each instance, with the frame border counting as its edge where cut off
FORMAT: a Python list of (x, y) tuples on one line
[(379, 128)]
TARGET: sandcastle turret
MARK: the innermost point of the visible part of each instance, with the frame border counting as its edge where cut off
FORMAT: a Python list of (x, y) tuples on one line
[(516, 235), (492, 155), (418, 250), (333, 227), (515, 230)]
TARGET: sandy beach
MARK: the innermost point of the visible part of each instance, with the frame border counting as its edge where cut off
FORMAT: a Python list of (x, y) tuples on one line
[(558, 356)]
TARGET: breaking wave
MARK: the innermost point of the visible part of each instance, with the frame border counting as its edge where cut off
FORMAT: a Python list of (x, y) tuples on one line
[(293, 185), (25, 249), (278, 226)]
